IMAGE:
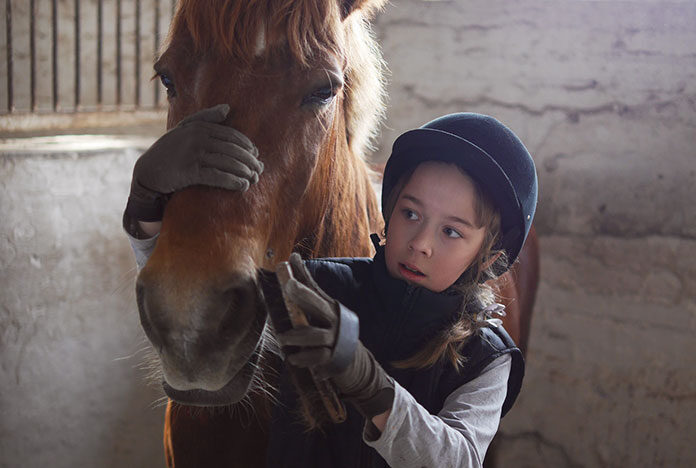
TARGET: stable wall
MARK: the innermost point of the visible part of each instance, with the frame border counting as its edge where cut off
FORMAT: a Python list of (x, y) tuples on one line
[(72, 383)]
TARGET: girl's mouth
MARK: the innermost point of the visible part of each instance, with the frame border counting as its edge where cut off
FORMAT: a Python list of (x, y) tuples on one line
[(410, 272)]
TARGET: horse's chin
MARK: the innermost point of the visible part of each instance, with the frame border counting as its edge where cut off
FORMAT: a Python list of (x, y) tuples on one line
[(233, 392), (258, 342)]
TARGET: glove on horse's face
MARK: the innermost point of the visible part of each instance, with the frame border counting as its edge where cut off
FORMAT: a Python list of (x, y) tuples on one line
[(198, 151)]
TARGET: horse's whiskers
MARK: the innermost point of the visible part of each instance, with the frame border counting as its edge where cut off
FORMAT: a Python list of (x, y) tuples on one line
[(260, 386), (150, 364), (244, 407), (126, 280), (259, 383), (160, 402), (130, 356)]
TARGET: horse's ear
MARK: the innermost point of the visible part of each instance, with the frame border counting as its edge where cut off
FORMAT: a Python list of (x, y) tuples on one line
[(368, 7)]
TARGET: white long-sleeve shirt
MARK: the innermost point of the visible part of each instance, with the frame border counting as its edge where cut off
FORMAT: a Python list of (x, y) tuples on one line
[(458, 436)]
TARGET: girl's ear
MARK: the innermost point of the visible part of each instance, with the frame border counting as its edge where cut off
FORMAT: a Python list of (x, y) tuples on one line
[(491, 260)]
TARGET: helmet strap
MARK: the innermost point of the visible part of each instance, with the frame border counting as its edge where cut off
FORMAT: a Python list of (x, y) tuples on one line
[(509, 238)]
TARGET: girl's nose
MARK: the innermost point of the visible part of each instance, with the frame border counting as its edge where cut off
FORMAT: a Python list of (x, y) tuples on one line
[(421, 243)]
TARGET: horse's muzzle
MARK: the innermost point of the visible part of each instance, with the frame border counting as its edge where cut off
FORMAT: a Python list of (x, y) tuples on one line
[(208, 342)]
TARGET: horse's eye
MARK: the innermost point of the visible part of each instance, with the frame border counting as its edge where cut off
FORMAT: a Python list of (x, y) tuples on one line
[(324, 93), (169, 84), (321, 96)]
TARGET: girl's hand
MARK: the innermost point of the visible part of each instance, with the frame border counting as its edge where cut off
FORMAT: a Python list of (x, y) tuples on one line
[(198, 151), (329, 345)]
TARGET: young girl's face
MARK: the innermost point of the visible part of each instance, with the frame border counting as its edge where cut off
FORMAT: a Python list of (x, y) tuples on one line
[(433, 233)]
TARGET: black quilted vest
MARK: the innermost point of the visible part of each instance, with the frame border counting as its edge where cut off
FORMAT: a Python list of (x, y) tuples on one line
[(395, 320)]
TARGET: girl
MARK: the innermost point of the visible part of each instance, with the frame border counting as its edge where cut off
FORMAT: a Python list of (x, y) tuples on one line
[(432, 371)]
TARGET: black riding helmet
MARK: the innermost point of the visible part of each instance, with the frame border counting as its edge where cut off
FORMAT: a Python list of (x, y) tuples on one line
[(489, 152)]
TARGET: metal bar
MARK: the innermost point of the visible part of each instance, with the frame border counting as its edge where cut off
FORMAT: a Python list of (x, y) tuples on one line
[(54, 52), (77, 54), (118, 52), (59, 100), (157, 44), (137, 53), (8, 30), (100, 38), (32, 54)]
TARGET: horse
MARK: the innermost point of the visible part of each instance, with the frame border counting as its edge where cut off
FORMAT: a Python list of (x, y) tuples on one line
[(304, 81)]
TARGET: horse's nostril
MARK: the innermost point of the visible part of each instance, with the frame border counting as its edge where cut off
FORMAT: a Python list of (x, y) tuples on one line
[(239, 302), (139, 295), (145, 319)]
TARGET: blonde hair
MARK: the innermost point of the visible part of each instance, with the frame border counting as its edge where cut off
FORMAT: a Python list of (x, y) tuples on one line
[(470, 285)]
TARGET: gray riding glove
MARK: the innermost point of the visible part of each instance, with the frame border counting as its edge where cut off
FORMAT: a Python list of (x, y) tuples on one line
[(198, 151), (330, 345)]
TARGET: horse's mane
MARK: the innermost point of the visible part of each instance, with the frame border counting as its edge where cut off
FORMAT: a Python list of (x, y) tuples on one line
[(231, 27)]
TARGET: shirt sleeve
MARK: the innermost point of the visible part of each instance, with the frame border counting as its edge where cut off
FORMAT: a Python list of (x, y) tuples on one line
[(142, 248), (458, 436)]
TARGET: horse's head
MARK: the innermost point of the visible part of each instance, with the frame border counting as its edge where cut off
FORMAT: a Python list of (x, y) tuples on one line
[(303, 82)]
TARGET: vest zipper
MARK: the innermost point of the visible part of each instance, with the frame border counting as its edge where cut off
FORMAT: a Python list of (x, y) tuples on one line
[(407, 304)]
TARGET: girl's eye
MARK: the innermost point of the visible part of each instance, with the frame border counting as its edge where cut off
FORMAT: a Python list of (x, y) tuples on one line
[(449, 232), (410, 215), (169, 84)]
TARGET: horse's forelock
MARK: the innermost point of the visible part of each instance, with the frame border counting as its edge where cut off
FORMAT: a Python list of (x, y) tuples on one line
[(230, 27)]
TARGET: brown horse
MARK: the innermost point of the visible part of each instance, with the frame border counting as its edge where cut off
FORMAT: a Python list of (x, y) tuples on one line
[(303, 81)]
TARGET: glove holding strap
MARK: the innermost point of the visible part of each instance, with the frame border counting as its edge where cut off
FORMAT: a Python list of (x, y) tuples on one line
[(330, 345), (200, 150)]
